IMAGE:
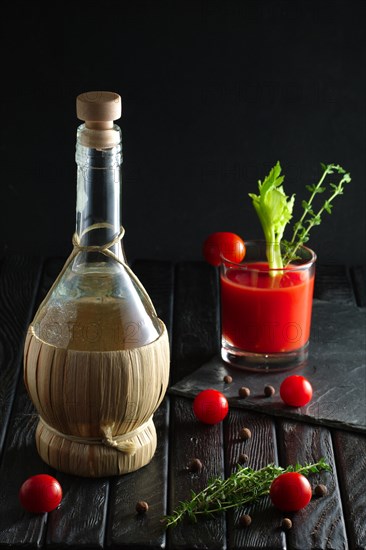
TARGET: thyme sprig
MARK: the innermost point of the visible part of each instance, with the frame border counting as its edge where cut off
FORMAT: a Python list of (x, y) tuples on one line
[(309, 218), (244, 485)]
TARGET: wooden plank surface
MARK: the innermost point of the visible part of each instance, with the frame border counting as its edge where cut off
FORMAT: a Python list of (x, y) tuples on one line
[(127, 529), (51, 269), (358, 277), (333, 283), (350, 454), (195, 339), (81, 520), (192, 439), (81, 517), (261, 450), (19, 278), (321, 524), (196, 323), (100, 513), (19, 528), (158, 280)]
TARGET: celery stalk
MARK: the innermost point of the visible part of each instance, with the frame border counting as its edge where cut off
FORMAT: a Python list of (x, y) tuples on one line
[(274, 210)]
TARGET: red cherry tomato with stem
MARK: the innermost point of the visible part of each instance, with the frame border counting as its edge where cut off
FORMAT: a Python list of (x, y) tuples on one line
[(40, 493), (210, 406), (290, 492), (296, 391), (223, 243)]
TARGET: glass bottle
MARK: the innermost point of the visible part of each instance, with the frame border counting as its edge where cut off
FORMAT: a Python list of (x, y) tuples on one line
[(97, 325)]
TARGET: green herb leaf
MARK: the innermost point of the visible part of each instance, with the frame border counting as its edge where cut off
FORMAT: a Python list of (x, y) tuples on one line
[(328, 207)]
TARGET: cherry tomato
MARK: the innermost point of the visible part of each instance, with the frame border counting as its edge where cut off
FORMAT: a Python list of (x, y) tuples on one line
[(296, 391), (210, 406), (223, 243), (40, 493), (290, 492)]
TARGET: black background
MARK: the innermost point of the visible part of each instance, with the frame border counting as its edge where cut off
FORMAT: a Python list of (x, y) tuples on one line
[(214, 93)]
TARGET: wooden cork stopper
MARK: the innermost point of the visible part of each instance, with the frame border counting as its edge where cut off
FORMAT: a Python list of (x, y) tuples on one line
[(99, 110)]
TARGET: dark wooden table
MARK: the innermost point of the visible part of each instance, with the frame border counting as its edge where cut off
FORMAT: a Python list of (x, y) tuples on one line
[(100, 513)]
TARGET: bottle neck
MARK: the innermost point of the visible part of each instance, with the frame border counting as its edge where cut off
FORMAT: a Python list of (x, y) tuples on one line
[(98, 208)]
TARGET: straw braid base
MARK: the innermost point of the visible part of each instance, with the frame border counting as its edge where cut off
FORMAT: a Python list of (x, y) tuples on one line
[(94, 460)]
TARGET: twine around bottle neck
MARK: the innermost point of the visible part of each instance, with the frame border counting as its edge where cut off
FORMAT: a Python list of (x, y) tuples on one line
[(102, 249)]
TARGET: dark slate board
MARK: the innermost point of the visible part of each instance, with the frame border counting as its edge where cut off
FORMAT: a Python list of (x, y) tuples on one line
[(335, 368)]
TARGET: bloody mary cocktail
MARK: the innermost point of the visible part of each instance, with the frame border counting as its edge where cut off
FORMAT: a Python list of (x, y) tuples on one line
[(266, 314)]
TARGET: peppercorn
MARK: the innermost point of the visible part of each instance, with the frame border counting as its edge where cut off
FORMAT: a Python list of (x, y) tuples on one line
[(244, 392), (195, 465), (320, 490), (269, 391), (286, 524), (142, 507), (245, 433), (228, 379), (243, 458), (245, 521)]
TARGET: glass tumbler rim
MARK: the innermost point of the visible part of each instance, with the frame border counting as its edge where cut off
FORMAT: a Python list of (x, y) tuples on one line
[(308, 263)]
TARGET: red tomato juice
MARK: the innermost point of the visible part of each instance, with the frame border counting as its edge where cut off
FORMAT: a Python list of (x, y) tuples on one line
[(264, 314)]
